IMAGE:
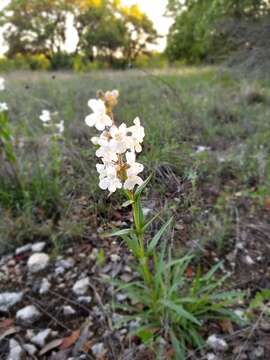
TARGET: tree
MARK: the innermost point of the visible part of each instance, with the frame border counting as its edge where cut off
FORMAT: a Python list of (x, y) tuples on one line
[(107, 28), (34, 26), (140, 32), (197, 32), (100, 31)]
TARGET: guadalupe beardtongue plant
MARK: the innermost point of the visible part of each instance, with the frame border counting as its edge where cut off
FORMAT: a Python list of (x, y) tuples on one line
[(117, 148), (169, 305)]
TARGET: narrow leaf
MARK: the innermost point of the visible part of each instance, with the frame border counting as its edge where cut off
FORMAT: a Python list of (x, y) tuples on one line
[(150, 221), (117, 233), (127, 203), (153, 243), (140, 189), (181, 311)]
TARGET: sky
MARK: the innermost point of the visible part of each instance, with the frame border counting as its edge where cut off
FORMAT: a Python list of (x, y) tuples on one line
[(155, 10)]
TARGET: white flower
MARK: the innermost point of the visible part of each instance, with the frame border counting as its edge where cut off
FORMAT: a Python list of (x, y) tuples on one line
[(45, 116), (60, 127), (3, 107), (101, 169), (137, 134), (105, 151), (119, 141), (132, 172), (108, 177), (103, 136), (95, 140), (2, 84), (98, 118)]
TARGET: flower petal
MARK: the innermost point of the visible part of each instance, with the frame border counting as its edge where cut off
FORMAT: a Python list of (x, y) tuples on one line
[(90, 120)]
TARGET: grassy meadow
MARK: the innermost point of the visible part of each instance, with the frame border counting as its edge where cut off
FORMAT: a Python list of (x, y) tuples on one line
[(207, 143)]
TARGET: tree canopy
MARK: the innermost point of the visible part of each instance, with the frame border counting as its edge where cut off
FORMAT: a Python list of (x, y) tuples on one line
[(104, 27), (198, 31)]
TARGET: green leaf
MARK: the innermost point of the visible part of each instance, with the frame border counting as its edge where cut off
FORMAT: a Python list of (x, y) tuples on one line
[(227, 295), (127, 203), (140, 189), (212, 271), (153, 243), (133, 244), (150, 221), (140, 214), (145, 335), (119, 233), (178, 348), (259, 299), (181, 311), (197, 339)]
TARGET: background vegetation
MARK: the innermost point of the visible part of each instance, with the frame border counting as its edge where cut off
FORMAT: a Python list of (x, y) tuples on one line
[(107, 32), (211, 30), (111, 35)]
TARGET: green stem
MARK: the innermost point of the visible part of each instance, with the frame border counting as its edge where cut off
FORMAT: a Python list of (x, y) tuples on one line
[(139, 224)]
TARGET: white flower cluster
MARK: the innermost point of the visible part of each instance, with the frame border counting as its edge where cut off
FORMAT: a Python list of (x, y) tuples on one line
[(117, 145), (47, 119), (3, 105)]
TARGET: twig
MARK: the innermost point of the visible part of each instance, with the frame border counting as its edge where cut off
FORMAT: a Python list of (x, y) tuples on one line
[(253, 328), (106, 315)]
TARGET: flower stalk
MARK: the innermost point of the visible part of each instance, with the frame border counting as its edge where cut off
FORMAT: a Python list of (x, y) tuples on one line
[(117, 148)]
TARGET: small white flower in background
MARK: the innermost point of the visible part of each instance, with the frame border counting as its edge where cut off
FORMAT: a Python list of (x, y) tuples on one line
[(2, 84), (45, 116), (3, 107), (60, 127), (98, 118), (117, 145), (48, 121)]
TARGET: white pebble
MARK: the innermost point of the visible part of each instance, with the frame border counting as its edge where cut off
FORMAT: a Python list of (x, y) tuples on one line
[(44, 286), (115, 257), (98, 350), (9, 299), (249, 260), (30, 349), (68, 310), (81, 286), (41, 337), (38, 247), (28, 314), (23, 249), (15, 350), (216, 343), (85, 299), (211, 356), (37, 262)]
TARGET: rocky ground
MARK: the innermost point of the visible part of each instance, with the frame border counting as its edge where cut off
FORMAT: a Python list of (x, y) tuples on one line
[(60, 307)]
